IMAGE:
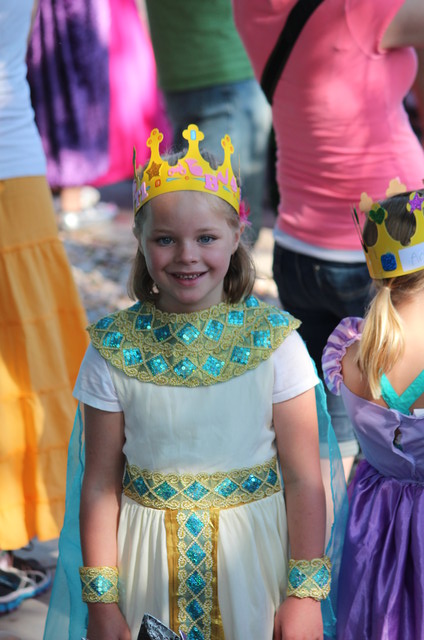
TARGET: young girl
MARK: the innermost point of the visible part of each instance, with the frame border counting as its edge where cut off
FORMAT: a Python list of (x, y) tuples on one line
[(189, 395), (377, 365)]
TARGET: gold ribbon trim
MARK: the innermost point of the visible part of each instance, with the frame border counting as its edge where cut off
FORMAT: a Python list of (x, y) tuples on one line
[(192, 503)]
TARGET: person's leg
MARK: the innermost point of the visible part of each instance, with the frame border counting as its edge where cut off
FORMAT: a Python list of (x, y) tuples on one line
[(320, 294), (240, 110)]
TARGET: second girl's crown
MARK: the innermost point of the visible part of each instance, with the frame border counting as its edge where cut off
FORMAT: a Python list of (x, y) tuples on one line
[(387, 257), (191, 173)]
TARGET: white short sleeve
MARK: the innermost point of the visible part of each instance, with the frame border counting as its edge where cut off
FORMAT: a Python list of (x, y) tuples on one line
[(94, 384), (293, 369)]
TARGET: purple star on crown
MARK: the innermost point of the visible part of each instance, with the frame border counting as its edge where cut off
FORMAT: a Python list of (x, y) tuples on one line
[(416, 202)]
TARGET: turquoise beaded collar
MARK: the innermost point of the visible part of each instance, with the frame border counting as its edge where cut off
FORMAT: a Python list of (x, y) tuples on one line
[(194, 349)]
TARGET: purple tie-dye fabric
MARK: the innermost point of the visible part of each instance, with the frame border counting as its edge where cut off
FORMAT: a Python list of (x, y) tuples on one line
[(68, 72)]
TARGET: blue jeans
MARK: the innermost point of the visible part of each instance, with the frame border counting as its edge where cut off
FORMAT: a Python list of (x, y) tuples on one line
[(240, 110), (320, 293)]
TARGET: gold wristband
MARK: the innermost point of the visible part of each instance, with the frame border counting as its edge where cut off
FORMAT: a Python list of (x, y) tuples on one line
[(309, 578), (99, 584)]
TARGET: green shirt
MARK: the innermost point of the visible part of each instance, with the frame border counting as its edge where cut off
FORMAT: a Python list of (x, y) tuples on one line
[(196, 44)]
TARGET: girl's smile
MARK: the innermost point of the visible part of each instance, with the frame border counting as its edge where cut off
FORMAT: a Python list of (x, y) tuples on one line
[(187, 241)]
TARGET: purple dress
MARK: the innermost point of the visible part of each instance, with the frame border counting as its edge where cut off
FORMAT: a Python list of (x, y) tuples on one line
[(381, 584)]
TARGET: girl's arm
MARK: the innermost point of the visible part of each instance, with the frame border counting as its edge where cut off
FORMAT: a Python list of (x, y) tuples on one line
[(99, 511), (296, 429)]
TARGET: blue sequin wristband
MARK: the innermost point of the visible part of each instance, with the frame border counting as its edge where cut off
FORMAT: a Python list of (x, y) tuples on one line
[(309, 578), (99, 584)]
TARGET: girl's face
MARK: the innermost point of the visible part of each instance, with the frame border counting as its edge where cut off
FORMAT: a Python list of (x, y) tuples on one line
[(187, 242)]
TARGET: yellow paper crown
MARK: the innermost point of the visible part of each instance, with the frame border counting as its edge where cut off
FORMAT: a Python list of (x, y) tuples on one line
[(191, 173), (388, 258)]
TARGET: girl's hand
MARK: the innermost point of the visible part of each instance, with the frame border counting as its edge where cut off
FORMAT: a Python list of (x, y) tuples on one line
[(298, 619), (106, 622)]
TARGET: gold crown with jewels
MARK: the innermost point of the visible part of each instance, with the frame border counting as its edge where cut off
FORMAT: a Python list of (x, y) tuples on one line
[(191, 173), (388, 258)]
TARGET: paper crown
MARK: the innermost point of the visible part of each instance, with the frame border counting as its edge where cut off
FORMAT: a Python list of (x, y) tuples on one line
[(191, 173), (388, 258)]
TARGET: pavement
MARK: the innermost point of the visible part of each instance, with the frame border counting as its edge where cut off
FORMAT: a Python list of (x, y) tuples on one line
[(101, 256)]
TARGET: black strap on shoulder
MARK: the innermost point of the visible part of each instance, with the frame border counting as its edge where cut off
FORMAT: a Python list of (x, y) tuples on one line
[(295, 22)]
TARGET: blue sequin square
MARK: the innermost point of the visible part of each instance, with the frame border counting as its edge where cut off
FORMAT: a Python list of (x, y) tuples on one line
[(195, 491), (194, 610), (278, 319), (322, 577), (235, 318), (195, 554), (195, 634), (157, 365), (251, 301), (162, 333), (196, 583), (213, 366), (100, 585), (113, 339), (240, 355), (140, 486), (132, 356), (184, 368), (188, 333), (261, 339), (252, 483), (165, 491), (226, 487), (272, 477), (213, 330), (194, 525), (143, 322), (104, 323), (296, 577)]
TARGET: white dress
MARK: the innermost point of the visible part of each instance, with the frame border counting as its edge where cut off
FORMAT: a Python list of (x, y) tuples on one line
[(205, 429), (177, 433)]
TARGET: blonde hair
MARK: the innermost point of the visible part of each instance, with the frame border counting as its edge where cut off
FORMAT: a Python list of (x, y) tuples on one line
[(240, 277), (382, 342)]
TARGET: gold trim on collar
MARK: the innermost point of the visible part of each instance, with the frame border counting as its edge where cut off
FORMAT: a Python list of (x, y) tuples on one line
[(194, 349)]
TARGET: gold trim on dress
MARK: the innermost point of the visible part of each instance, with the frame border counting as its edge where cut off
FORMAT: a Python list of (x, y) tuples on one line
[(191, 503), (220, 490)]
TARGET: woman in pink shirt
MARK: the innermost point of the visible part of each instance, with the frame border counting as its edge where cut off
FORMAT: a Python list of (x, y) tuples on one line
[(341, 129)]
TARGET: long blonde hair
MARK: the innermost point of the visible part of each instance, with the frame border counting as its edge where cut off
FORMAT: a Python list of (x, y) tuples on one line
[(383, 340)]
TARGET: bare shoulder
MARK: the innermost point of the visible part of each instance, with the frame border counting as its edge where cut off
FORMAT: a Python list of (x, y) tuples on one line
[(407, 27), (352, 376)]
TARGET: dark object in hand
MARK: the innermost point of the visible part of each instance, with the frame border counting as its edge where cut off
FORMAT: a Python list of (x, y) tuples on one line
[(153, 629)]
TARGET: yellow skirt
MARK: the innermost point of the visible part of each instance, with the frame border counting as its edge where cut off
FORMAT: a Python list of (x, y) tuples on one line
[(42, 343)]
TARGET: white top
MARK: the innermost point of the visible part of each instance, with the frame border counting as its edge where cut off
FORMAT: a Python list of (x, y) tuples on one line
[(161, 420), (21, 152)]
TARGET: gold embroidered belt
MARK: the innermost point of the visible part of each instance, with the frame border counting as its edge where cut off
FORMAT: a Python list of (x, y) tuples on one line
[(192, 504)]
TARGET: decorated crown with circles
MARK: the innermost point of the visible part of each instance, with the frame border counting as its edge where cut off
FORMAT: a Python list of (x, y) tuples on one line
[(388, 257), (191, 173)]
